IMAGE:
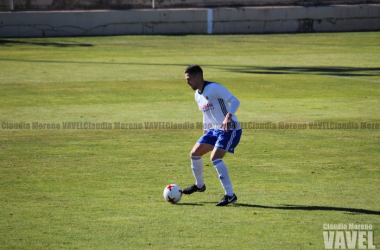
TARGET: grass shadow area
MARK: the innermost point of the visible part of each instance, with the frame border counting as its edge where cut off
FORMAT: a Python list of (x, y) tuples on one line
[(331, 70), (312, 208), (9, 42)]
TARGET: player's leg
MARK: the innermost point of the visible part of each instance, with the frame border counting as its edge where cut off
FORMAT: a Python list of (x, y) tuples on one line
[(196, 154), (227, 141), (222, 170), (204, 145), (217, 153), (200, 149)]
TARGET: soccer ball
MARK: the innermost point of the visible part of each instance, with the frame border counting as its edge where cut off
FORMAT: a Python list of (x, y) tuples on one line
[(173, 193)]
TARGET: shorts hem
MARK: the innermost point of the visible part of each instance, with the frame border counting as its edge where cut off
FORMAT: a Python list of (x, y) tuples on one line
[(225, 150), (206, 143)]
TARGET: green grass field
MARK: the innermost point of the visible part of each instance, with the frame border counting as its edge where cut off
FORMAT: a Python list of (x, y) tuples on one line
[(67, 187)]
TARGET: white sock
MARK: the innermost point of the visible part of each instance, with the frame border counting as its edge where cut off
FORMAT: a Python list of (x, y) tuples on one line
[(197, 168), (224, 177)]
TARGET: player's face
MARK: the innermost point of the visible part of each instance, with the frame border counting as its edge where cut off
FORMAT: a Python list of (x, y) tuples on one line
[(192, 81)]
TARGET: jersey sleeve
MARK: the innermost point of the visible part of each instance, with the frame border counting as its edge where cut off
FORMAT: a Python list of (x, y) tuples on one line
[(235, 103), (223, 93)]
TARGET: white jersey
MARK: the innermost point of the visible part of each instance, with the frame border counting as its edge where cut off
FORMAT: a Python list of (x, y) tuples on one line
[(213, 101)]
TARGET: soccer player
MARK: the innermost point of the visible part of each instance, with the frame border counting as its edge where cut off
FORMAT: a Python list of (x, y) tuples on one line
[(221, 132)]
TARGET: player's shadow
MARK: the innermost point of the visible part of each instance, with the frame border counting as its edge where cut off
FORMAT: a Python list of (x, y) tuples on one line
[(312, 208)]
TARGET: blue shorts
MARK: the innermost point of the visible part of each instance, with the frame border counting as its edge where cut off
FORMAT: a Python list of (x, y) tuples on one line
[(223, 140)]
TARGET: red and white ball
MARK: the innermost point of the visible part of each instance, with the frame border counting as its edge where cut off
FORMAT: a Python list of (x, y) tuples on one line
[(173, 193)]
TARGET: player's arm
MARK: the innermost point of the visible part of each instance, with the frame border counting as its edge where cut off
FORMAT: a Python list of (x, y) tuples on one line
[(234, 105), (226, 124)]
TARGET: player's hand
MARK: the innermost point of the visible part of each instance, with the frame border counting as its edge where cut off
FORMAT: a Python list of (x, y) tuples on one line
[(226, 123)]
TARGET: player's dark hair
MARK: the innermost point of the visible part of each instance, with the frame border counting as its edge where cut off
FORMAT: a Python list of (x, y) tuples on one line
[(194, 70)]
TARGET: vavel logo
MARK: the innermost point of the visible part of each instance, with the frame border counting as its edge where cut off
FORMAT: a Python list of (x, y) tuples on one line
[(348, 236)]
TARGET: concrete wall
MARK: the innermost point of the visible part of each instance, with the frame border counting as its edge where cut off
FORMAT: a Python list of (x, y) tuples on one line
[(244, 20), (21, 5)]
